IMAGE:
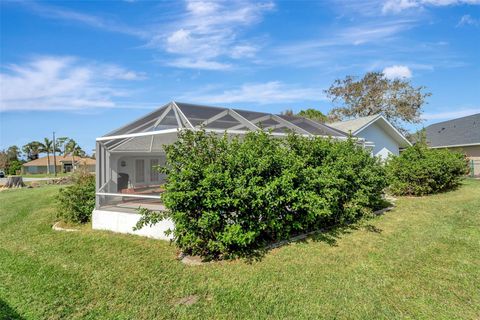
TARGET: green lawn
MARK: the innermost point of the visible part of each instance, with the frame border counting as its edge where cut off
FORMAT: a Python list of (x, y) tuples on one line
[(421, 260), (45, 175)]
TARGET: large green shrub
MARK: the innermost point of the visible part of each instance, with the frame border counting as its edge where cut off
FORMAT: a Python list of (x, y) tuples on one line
[(420, 171), (229, 196), (75, 203), (14, 167)]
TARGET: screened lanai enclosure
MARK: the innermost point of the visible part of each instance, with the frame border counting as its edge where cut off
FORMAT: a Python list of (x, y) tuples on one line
[(127, 158)]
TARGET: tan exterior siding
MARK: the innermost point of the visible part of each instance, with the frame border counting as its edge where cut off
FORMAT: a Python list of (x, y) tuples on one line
[(473, 153)]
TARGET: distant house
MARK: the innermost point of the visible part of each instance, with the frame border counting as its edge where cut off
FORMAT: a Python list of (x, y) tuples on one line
[(462, 134), (387, 139), (63, 164)]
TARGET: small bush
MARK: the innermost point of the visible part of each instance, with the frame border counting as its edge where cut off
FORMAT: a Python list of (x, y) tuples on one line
[(75, 203), (420, 171), (229, 196)]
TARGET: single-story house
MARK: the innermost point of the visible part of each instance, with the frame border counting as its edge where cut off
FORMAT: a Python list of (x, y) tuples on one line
[(461, 134), (63, 164), (385, 137), (126, 157)]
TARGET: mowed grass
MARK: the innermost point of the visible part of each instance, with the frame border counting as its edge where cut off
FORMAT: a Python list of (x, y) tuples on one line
[(421, 260)]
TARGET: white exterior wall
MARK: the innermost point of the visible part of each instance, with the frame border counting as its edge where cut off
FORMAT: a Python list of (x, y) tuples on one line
[(124, 222), (129, 168), (384, 143)]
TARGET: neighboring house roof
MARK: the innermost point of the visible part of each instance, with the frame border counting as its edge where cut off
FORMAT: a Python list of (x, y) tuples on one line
[(355, 126), (40, 162), (457, 132)]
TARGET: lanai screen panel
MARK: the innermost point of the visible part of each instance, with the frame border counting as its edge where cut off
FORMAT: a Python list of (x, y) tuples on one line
[(145, 138), (313, 127), (211, 117), (268, 121), (143, 124), (183, 115)]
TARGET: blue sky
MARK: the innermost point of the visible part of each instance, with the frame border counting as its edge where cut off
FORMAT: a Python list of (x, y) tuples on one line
[(82, 69)]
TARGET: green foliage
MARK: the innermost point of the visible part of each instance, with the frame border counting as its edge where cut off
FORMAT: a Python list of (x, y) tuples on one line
[(396, 99), (13, 167), (75, 203), (313, 114), (420, 171), (32, 150), (229, 196), (13, 153)]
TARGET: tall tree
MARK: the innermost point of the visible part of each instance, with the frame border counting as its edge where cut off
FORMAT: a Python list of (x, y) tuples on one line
[(61, 145), (3, 160), (13, 153), (313, 114), (309, 113), (396, 99), (74, 150), (288, 112), (31, 150), (47, 147)]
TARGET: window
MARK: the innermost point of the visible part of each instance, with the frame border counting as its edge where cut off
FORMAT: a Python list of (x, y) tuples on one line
[(153, 170), (139, 170)]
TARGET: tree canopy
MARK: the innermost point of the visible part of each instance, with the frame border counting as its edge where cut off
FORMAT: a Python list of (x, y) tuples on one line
[(396, 99), (32, 150), (313, 114), (309, 113)]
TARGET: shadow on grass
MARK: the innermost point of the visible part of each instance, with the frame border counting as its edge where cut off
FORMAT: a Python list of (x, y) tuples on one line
[(6, 312), (329, 236)]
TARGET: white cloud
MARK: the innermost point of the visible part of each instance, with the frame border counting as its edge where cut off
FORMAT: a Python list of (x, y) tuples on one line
[(397, 71), (192, 63), (204, 36), (208, 34), (61, 83), (450, 114), (468, 20), (114, 72), (55, 12), (260, 93), (373, 32), (334, 51), (396, 6), (243, 51)]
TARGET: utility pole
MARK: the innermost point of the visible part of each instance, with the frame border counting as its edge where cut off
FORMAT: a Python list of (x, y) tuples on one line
[(54, 156)]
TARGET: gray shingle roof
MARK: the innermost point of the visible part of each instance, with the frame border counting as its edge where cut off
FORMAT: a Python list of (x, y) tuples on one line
[(454, 132)]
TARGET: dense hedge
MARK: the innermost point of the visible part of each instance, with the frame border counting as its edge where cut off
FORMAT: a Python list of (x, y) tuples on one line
[(230, 196), (75, 203), (420, 171)]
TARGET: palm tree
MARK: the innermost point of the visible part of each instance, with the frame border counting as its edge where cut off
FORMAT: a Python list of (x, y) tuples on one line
[(61, 144), (74, 150), (47, 147)]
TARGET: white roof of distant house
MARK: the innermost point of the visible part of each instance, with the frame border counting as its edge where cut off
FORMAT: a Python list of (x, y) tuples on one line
[(355, 126)]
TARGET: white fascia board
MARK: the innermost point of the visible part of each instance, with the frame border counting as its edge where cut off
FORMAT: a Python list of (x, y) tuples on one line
[(127, 195), (166, 131), (138, 134), (456, 145)]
